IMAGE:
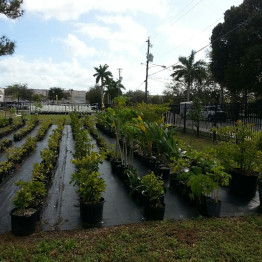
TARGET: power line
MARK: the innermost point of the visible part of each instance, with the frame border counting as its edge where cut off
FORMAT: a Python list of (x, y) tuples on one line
[(177, 17), (190, 38), (229, 32)]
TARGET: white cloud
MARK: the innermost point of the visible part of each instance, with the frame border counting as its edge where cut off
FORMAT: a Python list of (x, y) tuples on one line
[(71, 10), (122, 33), (78, 48), (43, 74), (179, 35)]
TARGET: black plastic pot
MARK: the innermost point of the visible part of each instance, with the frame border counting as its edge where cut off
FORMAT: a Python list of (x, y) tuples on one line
[(91, 213), (242, 184), (260, 193), (164, 172), (23, 225), (173, 181), (153, 212), (114, 164), (213, 209)]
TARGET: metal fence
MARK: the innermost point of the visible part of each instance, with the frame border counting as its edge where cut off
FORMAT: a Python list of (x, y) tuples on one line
[(216, 116)]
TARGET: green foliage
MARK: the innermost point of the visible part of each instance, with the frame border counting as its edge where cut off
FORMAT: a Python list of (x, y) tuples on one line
[(89, 162), (189, 71), (23, 197), (19, 91), (91, 186), (103, 75), (153, 187), (195, 113), (242, 149), (11, 9), (93, 95), (236, 57), (57, 92)]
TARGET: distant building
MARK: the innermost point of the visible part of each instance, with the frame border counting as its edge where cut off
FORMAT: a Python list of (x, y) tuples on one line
[(2, 95), (76, 97)]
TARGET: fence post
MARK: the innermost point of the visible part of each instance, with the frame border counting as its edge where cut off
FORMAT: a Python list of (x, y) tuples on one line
[(215, 124), (185, 109)]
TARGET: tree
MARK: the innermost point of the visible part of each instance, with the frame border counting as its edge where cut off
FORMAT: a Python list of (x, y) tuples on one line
[(11, 9), (136, 96), (236, 56), (113, 89), (190, 71), (93, 95), (57, 93), (102, 75), (19, 91)]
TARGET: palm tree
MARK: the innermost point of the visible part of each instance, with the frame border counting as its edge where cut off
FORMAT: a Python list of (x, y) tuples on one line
[(102, 75), (113, 89), (190, 71)]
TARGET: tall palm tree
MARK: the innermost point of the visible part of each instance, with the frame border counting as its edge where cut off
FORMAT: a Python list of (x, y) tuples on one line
[(190, 71), (102, 75), (113, 89)]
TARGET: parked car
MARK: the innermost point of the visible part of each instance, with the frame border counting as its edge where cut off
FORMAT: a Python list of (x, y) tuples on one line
[(94, 106), (214, 113)]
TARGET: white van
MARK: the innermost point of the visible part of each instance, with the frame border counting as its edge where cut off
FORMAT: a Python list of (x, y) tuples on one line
[(183, 105)]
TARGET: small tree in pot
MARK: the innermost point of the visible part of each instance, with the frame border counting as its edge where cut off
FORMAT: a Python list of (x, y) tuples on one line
[(153, 191), (240, 156), (23, 218), (91, 187)]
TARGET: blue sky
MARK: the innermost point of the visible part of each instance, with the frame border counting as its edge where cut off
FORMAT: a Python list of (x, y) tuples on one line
[(59, 42)]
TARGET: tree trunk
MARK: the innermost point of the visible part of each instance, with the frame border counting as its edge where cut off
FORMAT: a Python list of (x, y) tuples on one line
[(221, 98), (188, 92), (102, 95)]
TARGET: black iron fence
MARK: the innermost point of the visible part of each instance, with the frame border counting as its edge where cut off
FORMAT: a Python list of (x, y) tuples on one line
[(215, 116)]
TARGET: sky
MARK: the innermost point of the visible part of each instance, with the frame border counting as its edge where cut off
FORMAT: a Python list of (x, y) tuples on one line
[(59, 42)]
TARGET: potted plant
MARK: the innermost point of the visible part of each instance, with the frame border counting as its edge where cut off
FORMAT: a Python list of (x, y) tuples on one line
[(23, 217), (153, 192), (240, 156), (91, 187), (204, 181)]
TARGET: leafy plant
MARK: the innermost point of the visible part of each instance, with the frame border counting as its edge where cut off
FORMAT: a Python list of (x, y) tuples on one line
[(242, 150), (153, 187), (91, 186)]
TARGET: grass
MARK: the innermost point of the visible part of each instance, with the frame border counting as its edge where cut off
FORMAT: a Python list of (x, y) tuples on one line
[(227, 239), (197, 143)]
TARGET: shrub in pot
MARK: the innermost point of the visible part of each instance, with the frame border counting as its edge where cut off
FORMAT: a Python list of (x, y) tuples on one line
[(204, 181), (240, 156), (91, 187), (23, 217), (153, 192)]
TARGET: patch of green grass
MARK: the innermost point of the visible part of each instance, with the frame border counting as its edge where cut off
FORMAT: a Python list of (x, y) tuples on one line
[(55, 118), (227, 239), (195, 142)]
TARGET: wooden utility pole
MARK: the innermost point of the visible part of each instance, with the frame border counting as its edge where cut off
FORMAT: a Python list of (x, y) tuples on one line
[(119, 79), (147, 62)]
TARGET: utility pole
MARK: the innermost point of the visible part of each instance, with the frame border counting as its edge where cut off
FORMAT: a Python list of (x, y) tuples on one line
[(119, 79), (149, 58)]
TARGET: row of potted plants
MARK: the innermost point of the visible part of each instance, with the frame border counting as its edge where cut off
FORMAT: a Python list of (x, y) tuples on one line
[(90, 184), (154, 143), (11, 128), (88, 124), (29, 199), (43, 129), (5, 122), (31, 124), (5, 144), (148, 191), (16, 155)]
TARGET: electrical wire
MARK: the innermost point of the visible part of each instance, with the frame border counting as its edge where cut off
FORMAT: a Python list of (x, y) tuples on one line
[(229, 32), (190, 39), (177, 17)]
